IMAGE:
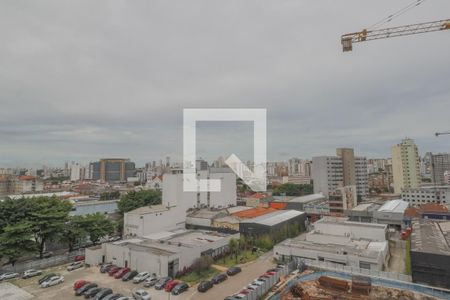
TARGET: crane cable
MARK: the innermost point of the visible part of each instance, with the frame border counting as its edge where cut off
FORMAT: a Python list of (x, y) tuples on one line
[(398, 13)]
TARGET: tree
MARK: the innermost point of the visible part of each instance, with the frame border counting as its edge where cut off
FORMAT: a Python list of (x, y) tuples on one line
[(47, 220), (234, 247), (16, 241), (74, 231), (292, 189), (98, 226), (133, 200), (201, 263)]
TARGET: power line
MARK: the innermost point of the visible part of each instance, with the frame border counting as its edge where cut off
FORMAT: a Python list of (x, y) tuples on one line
[(396, 14)]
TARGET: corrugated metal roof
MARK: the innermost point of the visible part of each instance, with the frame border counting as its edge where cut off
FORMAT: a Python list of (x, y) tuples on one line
[(275, 217), (308, 198), (396, 206)]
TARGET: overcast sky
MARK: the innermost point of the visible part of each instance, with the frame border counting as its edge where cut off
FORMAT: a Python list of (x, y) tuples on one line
[(80, 80)]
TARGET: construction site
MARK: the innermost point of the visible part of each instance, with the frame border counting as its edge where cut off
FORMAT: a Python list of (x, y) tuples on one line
[(359, 287)]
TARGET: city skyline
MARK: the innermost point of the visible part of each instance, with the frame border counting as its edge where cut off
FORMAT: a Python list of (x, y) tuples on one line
[(69, 93)]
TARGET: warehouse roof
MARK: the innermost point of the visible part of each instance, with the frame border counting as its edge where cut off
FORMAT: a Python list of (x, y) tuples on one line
[(148, 210), (394, 206), (308, 198), (431, 237), (253, 212), (275, 217)]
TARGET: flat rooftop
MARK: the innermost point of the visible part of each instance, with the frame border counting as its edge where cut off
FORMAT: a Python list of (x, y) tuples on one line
[(171, 242), (431, 237), (345, 221), (148, 210), (275, 217), (367, 207)]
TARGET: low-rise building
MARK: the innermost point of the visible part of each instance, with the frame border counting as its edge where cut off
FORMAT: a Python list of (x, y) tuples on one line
[(272, 223), (430, 253), (391, 213), (150, 219), (297, 203), (339, 241), (163, 253), (83, 208), (363, 212)]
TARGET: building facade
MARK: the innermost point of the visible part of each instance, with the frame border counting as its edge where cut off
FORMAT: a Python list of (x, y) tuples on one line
[(112, 170), (440, 164), (427, 194), (405, 165), (332, 172)]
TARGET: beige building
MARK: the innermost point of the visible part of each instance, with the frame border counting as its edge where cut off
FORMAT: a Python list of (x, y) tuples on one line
[(405, 165)]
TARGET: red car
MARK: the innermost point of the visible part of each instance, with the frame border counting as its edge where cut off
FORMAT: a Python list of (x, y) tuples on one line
[(113, 270), (79, 283), (121, 272), (171, 284), (79, 258), (270, 273)]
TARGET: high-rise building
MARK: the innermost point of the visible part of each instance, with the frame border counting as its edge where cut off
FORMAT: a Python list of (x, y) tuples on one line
[(405, 165), (298, 166), (440, 163), (332, 172), (112, 170)]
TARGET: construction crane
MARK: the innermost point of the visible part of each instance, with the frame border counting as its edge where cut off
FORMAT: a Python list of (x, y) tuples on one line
[(347, 40), (375, 33), (442, 133)]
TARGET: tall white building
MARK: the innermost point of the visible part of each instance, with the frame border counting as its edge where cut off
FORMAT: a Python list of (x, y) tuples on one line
[(332, 172), (405, 165), (298, 166)]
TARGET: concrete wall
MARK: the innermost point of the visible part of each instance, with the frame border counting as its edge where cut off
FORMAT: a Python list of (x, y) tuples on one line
[(145, 224)]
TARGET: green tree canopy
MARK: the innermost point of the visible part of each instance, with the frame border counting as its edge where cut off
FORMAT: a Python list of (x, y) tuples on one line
[(292, 189), (134, 200)]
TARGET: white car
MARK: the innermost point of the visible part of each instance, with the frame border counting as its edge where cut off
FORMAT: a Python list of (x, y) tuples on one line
[(141, 277), (75, 265), (141, 295), (52, 281), (31, 273), (8, 275), (150, 281)]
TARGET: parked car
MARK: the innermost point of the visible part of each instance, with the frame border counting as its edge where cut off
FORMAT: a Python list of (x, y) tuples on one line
[(90, 293), (171, 284), (75, 265), (113, 270), (204, 286), (82, 290), (79, 258), (141, 277), (114, 239), (31, 273), (130, 275), (125, 298), (105, 267), (113, 297), (79, 283), (270, 273), (103, 293), (46, 277), (9, 275), (257, 282), (180, 288), (53, 281), (233, 271), (219, 278), (162, 283), (119, 274), (141, 295), (252, 287), (151, 281)]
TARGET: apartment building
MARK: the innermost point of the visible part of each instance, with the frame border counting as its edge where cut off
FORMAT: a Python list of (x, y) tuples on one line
[(112, 170), (405, 165), (427, 194), (332, 172), (440, 164)]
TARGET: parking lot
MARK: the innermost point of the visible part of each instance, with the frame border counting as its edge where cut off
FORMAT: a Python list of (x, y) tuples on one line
[(65, 290)]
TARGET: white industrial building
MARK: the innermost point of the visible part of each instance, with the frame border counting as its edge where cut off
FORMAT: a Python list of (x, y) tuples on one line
[(391, 212), (339, 241), (164, 253)]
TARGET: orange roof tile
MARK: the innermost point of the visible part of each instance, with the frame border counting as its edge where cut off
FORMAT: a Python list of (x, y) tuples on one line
[(412, 212), (254, 212), (433, 207), (26, 177)]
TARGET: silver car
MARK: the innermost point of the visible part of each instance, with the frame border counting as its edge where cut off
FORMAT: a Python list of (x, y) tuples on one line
[(8, 275), (141, 295), (31, 273), (75, 265), (141, 277), (52, 281)]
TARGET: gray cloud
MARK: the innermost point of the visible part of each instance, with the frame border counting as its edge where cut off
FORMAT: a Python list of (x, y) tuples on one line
[(81, 80)]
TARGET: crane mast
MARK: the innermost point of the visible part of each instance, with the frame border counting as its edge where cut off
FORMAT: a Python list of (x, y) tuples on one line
[(347, 40)]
